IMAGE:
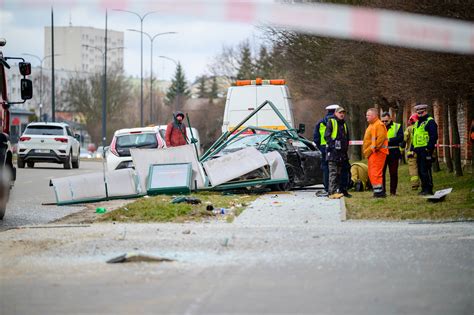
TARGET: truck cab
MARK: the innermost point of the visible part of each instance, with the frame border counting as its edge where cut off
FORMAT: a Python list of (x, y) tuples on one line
[(246, 95), (7, 170)]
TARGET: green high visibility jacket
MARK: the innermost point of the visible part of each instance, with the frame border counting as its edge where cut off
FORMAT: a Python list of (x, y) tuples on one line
[(421, 136)]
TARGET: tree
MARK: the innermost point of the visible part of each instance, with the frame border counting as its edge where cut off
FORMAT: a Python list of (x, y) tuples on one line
[(264, 66), (178, 91), (213, 93), (84, 95), (246, 68), (202, 90)]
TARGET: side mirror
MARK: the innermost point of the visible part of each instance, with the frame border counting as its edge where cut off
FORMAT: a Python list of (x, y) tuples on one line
[(26, 89), (25, 68), (78, 137), (301, 128)]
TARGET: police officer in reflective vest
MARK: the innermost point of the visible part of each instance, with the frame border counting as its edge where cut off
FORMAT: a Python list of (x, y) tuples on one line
[(320, 142), (337, 139), (395, 141), (425, 136)]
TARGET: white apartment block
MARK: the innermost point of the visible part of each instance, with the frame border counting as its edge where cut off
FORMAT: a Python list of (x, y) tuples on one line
[(73, 45)]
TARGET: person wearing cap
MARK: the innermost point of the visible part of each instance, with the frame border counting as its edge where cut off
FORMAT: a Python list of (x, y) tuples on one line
[(410, 155), (176, 131), (375, 149), (425, 136), (337, 145), (320, 141), (395, 142)]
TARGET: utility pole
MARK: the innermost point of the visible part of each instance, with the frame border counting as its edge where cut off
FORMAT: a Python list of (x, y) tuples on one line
[(53, 92), (104, 94)]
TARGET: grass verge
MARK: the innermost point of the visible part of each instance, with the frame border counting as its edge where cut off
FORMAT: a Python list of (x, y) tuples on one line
[(459, 205), (160, 209)]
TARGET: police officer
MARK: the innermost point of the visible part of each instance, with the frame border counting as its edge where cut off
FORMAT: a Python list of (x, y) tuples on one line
[(320, 142), (337, 139), (425, 136), (395, 141)]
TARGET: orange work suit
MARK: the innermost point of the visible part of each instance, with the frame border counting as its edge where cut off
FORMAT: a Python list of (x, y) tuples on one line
[(375, 149)]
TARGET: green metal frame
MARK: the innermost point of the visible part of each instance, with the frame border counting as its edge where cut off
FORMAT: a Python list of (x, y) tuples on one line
[(170, 190)]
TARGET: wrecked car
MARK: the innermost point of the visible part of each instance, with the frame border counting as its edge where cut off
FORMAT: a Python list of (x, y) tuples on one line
[(302, 159)]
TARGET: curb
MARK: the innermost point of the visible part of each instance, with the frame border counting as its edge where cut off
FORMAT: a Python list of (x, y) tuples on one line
[(343, 209)]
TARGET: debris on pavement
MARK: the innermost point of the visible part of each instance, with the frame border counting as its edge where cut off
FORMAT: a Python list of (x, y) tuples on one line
[(189, 200), (100, 210), (137, 257), (187, 232)]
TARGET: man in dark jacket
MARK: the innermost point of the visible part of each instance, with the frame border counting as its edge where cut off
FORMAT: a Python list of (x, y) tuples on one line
[(395, 142), (176, 131), (320, 142), (337, 139), (425, 136)]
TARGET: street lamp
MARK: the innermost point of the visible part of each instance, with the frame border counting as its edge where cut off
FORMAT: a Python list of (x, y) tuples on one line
[(168, 58), (151, 38), (141, 17), (41, 60), (104, 89)]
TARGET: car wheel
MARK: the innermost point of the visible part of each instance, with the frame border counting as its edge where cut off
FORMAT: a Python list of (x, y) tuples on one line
[(30, 164), (20, 163), (5, 179), (67, 162), (75, 163), (291, 179)]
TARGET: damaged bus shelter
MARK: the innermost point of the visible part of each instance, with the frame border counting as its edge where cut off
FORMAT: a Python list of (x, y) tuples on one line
[(180, 170)]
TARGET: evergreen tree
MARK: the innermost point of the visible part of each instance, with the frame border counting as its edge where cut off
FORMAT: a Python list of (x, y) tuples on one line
[(178, 90), (213, 94), (264, 64), (202, 91), (246, 69)]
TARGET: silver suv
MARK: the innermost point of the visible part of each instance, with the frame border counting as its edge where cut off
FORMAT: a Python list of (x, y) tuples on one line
[(44, 142)]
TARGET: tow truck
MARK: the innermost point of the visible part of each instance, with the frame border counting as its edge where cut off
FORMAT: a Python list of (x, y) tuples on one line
[(7, 170)]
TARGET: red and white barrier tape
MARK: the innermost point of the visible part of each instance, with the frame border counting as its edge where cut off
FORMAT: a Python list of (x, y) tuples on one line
[(361, 142), (340, 21)]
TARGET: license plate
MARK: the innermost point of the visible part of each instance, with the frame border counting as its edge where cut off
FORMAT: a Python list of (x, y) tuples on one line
[(41, 151)]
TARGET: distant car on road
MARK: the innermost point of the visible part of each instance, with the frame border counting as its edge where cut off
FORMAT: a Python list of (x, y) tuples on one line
[(47, 142), (118, 154)]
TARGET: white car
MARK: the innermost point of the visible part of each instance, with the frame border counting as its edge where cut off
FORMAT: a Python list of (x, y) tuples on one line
[(45, 142), (118, 154), (188, 135)]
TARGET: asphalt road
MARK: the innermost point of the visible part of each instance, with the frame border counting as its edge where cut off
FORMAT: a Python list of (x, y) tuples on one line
[(285, 254), (32, 189)]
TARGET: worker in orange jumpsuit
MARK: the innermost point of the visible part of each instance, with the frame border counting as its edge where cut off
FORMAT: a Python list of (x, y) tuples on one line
[(375, 149)]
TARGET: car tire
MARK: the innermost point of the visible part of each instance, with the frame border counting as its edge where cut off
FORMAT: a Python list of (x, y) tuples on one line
[(291, 179), (75, 163), (30, 164), (20, 163), (67, 162), (4, 192)]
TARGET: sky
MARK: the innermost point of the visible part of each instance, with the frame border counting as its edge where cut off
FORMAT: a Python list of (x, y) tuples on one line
[(195, 45)]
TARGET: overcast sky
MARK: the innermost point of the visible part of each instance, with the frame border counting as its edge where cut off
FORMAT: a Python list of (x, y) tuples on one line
[(195, 45)]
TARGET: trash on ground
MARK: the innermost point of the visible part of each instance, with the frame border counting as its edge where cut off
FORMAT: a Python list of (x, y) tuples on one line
[(439, 195), (100, 210), (137, 257), (209, 207), (187, 232), (189, 200)]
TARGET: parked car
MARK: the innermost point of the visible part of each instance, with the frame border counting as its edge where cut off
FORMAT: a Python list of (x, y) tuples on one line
[(118, 154), (99, 153), (47, 142)]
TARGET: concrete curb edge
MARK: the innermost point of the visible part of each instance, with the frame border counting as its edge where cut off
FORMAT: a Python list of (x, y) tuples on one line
[(343, 209)]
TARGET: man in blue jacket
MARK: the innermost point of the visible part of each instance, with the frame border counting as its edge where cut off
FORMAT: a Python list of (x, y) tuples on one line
[(425, 136), (320, 142)]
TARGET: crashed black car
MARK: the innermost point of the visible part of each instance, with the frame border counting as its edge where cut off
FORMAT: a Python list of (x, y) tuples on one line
[(302, 158)]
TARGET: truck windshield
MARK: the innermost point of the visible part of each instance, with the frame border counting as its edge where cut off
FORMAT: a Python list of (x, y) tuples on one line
[(45, 130), (137, 141)]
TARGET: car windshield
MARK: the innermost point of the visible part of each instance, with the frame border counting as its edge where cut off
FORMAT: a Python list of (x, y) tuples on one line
[(137, 140), (44, 130), (246, 141)]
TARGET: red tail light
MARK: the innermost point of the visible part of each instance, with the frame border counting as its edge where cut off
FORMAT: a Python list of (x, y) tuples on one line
[(63, 140), (25, 138), (113, 149)]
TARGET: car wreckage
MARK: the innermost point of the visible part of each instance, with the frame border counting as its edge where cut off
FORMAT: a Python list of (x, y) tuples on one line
[(242, 158)]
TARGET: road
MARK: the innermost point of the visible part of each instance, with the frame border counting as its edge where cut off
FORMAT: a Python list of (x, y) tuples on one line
[(285, 254), (32, 189)]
